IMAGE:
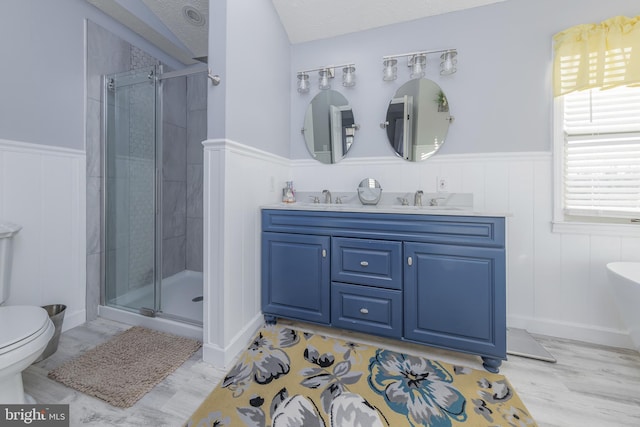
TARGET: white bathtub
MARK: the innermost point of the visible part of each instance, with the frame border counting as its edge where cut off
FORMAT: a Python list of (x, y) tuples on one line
[(625, 281)]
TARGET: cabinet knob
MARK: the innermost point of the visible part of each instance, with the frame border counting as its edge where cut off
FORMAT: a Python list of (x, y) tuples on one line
[(410, 261), (324, 253), (364, 263), (364, 311)]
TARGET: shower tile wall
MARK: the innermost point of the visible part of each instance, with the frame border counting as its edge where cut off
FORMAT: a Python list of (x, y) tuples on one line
[(174, 175), (196, 133), (140, 58), (184, 129), (141, 182)]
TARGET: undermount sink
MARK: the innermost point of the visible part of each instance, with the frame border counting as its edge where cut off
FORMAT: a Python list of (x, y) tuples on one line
[(323, 205), (430, 208), (380, 207)]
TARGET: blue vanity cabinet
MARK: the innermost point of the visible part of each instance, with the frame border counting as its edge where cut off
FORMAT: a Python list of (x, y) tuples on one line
[(295, 277), (432, 279)]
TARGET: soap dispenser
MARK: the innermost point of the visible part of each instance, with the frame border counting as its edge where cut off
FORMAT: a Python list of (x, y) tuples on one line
[(288, 194)]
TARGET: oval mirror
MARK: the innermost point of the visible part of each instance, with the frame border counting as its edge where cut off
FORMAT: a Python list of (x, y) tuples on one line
[(417, 120), (329, 127)]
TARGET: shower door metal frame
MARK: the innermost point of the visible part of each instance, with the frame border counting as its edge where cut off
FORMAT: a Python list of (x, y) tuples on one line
[(158, 190)]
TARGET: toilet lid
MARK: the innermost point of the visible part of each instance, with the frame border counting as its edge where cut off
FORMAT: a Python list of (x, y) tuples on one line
[(19, 322)]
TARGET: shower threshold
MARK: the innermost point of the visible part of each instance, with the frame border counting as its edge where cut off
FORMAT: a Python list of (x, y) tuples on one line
[(162, 324)]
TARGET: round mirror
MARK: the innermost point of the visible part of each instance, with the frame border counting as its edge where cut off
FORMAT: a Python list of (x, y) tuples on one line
[(417, 120), (329, 127)]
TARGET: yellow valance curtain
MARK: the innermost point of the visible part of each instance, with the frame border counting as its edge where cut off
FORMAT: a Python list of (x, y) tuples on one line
[(603, 55)]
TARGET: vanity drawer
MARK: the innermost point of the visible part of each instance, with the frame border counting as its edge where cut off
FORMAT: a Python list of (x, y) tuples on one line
[(367, 262), (365, 309)]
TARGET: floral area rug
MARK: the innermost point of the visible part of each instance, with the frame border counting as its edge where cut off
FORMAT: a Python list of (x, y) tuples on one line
[(292, 378)]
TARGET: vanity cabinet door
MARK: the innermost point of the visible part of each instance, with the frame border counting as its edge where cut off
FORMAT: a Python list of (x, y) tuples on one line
[(454, 297), (296, 276)]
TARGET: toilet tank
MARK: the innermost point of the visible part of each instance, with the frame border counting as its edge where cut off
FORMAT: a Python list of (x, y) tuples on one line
[(7, 231)]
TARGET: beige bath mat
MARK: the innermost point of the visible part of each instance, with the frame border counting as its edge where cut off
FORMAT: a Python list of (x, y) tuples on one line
[(125, 368)]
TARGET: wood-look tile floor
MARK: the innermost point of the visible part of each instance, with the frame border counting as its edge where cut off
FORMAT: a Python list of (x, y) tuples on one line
[(590, 385)]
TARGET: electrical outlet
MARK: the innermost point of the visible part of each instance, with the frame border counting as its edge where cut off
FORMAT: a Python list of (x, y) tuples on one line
[(442, 185), (272, 187)]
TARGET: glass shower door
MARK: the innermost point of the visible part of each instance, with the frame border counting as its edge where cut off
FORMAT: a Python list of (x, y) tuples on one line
[(131, 217)]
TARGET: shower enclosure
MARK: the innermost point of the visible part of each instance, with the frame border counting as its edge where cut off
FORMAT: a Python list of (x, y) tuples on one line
[(144, 195)]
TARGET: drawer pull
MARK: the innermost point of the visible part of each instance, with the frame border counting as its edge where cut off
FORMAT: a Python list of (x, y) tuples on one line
[(364, 263), (364, 311)]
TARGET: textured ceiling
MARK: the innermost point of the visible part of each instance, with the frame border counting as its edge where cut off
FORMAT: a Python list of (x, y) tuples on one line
[(306, 20)]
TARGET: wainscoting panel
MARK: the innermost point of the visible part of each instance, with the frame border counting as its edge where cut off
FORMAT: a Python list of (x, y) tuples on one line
[(237, 181), (42, 188)]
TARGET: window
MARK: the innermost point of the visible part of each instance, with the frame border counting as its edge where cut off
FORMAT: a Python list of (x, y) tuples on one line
[(597, 121), (600, 153)]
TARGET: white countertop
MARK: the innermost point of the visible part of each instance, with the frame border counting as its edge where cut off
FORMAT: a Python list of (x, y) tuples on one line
[(391, 209)]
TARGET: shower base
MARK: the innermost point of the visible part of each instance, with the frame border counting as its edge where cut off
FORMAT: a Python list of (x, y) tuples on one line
[(182, 306)]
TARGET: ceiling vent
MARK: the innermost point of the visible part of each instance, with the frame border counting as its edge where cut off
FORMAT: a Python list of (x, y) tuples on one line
[(193, 16)]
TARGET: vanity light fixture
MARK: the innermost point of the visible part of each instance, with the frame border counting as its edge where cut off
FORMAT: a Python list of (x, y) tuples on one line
[(349, 76), (325, 75), (390, 70), (449, 61), (417, 61), (303, 82), (325, 78)]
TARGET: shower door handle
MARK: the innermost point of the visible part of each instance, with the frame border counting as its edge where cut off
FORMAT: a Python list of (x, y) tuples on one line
[(157, 191)]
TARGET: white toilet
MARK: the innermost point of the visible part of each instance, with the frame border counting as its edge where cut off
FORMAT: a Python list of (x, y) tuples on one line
[(25, 330)]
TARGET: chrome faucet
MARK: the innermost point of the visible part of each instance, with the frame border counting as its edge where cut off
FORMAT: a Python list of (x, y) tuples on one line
[(417, 198), (327, 196), (435, 202)]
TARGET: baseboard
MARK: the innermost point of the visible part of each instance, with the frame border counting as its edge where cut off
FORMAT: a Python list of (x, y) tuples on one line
[(223, 357), (573, 331), (71, 320)]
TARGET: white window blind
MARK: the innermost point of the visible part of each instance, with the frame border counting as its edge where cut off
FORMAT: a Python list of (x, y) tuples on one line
[(602, 152)]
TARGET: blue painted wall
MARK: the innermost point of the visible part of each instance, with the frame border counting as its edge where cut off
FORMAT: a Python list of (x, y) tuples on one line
[(42, 69), (249, 48)]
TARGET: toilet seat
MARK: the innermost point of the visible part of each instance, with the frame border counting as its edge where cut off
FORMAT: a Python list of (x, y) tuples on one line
[(24, 324)]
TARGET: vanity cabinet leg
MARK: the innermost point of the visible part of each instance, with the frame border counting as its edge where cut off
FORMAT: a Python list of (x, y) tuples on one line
[(270, 319), (491, 364)]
